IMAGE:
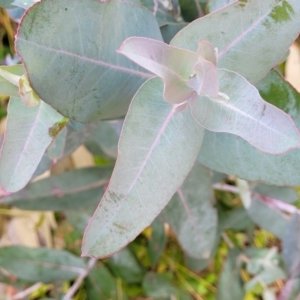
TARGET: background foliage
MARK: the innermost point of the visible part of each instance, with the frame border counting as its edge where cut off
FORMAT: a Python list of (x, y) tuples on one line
[(220, 237)]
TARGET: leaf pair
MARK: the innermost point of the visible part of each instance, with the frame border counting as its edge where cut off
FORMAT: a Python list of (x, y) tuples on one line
[(183, 72), (233, 106)]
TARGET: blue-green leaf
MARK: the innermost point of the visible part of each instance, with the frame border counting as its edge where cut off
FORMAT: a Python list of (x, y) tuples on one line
[(157, 149)]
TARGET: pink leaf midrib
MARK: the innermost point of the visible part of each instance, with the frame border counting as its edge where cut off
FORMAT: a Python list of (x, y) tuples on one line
[(90, 60), (154, 144)]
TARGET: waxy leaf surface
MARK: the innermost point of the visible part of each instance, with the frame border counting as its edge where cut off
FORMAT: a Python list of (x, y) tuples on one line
[(256, 20), (262, 21), (147, 175), (173, 65), (42, 264), (232, 155), (68, 49), (191, 215), (29, 131), (70, 190), (183, 72), (244, 113)]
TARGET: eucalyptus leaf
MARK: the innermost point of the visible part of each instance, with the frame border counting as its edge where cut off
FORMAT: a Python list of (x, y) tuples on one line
[(173, 65), (230, 285), (236, 219), (28, 133), (191, 214), (124, 265), (291, 246), (101, 285), (261, 21), (69, 190), (232, 155), (257, 20), (79, 216), (106, 136), (69, 73), (285, 194), (157, 286), (41, 264), (169, 30), (267, 216), (157, 241), (44, 165), (242, 111), (198, 265), (147, 175)]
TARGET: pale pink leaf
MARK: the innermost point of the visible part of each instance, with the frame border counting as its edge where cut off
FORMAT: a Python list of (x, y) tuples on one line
[(240, 110), (173, 65), (205, 81), (207, 51)]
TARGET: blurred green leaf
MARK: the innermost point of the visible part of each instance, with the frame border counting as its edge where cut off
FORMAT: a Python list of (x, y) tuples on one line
[(157, 286), (40, 264), (264, 264), (236, 219), (191, 214), (125, 265), (291, 246), (285, 194), (69, 190), (101, 285), (230, 286), (157, 241)]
